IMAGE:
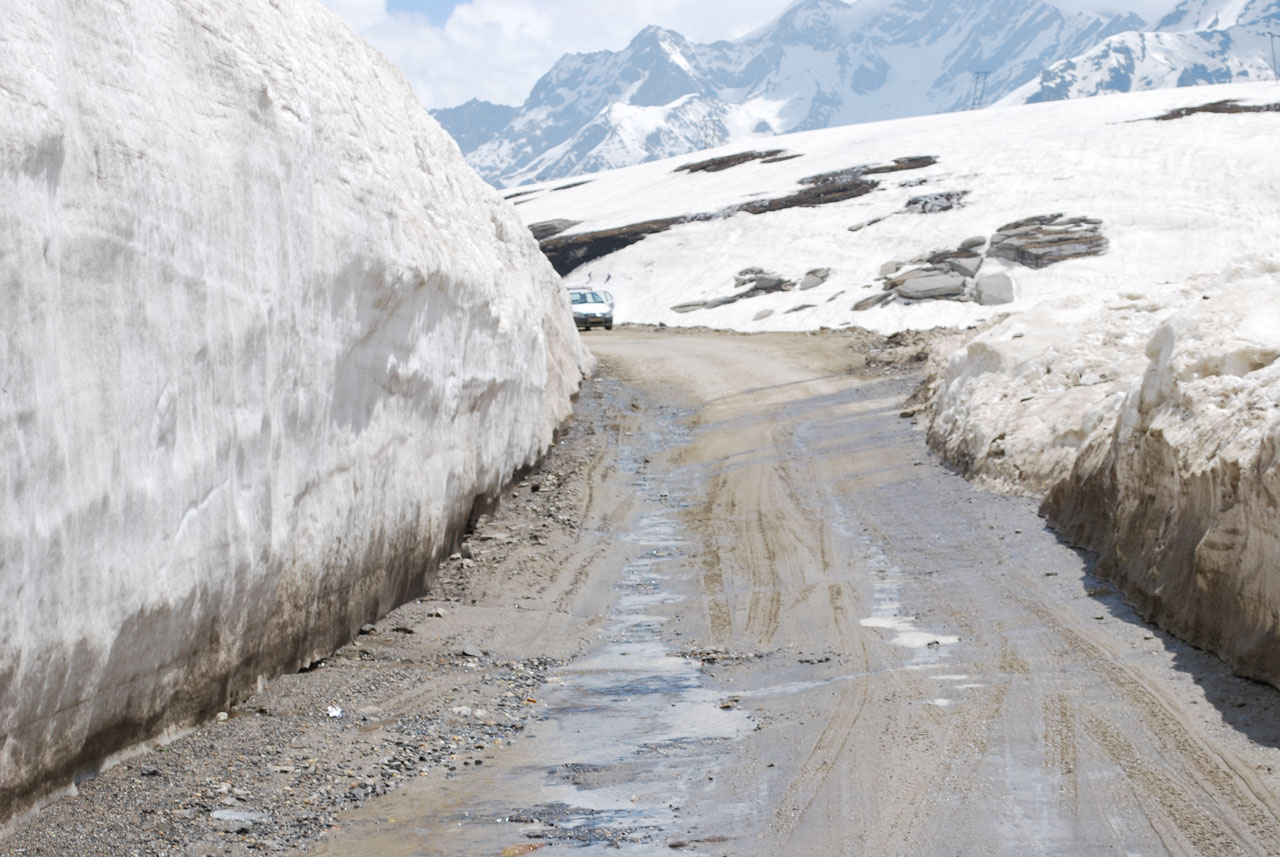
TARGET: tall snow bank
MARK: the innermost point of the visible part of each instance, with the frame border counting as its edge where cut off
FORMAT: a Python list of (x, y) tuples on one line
[(266, 344), (1153, 431)]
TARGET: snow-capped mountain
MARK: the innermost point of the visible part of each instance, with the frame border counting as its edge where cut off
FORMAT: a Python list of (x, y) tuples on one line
[(1201, 41), (822, 63)]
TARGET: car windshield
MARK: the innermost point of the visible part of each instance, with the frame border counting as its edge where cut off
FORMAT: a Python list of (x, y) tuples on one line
[(586, 298)]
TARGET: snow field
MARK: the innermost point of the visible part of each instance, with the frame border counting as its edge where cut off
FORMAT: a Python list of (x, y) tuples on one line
[(1178, 199)]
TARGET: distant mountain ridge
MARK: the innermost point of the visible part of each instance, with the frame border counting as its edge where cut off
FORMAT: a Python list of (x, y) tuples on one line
[(1200, 42), (829, 62)]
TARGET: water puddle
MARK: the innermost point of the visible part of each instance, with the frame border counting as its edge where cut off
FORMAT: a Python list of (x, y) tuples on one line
[(630, 730), (929, 647)]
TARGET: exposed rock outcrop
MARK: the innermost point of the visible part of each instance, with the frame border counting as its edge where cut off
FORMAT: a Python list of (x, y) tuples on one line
[(1041, 241), (959, 274), (567, 252)]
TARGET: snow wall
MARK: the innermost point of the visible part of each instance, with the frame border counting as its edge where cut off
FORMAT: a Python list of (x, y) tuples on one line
[(267, 342), (1151, 428)]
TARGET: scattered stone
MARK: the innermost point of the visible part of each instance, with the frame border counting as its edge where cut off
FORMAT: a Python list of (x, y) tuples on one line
[(436, 613), (368, 629), (762, 315), (973, 243), (814, 278), (801, 307), (221, 717)]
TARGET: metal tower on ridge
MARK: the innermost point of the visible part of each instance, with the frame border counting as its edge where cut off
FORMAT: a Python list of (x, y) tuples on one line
[(979, 89)]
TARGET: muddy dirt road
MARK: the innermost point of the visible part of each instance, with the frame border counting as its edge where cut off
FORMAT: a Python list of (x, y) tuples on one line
[(819, 641), (779, 627)]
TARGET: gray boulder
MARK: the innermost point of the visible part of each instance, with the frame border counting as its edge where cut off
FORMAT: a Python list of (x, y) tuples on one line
[(933, 285), (995, 288), (814, 278)]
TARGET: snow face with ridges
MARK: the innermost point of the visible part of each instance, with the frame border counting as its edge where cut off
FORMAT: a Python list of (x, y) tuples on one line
[(267, 343)]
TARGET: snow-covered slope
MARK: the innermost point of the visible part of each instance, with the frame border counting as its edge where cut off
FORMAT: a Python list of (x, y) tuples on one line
[(1177, 199), (266, 343), (1202, 41), (1134, 383), (822, 63)]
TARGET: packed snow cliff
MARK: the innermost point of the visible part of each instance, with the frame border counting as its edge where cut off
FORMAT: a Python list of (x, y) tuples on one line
[(267, 344), (1128, 244)]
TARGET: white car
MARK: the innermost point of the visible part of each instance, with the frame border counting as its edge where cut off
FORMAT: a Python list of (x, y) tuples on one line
[(591, 307)]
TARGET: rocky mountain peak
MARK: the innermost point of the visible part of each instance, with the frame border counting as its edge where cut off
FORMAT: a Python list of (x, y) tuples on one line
[(831, 62)]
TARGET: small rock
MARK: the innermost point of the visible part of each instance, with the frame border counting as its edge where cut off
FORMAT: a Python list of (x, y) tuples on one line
[(973, 243), (762, 315), (221, 717), (239, 815), (368, 629)]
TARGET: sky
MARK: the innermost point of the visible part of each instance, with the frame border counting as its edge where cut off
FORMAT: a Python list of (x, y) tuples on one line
[(495, 50)]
